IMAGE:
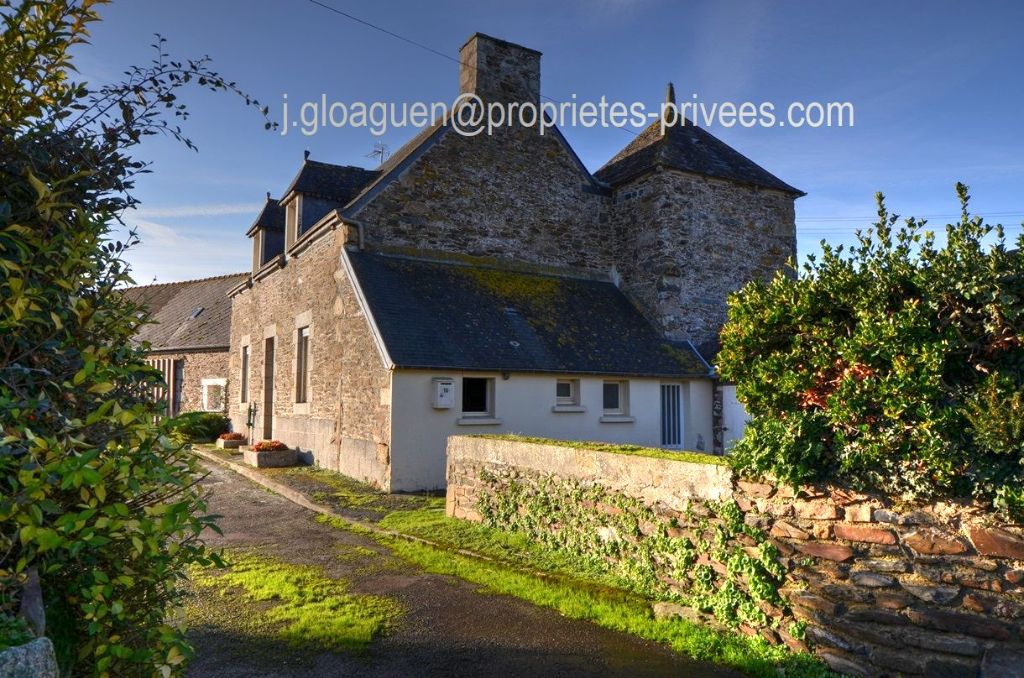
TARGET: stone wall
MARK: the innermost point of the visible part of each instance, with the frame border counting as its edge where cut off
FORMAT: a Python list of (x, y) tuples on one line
[(36, 659), (345, 423), (683, 242), (197, 365), (512, 195), (871, 587), (933, 589)]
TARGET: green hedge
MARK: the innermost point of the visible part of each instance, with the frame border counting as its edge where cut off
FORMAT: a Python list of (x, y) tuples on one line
[(200, 426), (895, 366)]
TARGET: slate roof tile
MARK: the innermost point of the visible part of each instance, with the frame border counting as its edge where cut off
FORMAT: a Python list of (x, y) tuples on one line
[(688, 148), (340, 183), (172, 305), (448, 315)]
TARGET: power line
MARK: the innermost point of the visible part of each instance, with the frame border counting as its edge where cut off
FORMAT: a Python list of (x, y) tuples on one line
[(422, 46), (386, 31)]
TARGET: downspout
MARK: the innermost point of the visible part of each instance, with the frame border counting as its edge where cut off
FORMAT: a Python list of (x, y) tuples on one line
[(361, 225)]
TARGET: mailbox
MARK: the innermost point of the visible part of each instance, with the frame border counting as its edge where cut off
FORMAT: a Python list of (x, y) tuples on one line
[(443, 394)]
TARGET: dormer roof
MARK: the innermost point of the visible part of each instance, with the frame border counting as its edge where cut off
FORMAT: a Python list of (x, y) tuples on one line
[(339, 183), (271, 218)]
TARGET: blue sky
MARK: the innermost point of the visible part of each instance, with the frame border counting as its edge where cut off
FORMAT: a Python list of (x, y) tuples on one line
[(936, 86)]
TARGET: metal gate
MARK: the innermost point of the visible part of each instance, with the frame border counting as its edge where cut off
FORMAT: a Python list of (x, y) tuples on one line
[(671, 415)]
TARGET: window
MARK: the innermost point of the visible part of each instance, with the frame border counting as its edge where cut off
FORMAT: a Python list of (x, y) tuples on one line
[(302, 365), (477, 396), (244, 376), (567, 392), (615, 397), (214, 391)]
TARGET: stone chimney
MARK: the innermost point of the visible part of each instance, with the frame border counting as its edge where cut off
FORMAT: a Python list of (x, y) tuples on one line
[(501, 71)]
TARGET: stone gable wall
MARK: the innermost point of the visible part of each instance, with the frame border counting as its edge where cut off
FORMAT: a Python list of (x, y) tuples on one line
[(345, 425), (513, 195), (198, 365), (870, 586), (682, 243)]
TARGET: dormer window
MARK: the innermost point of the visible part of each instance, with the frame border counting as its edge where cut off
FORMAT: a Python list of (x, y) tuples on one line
[(195, 313)]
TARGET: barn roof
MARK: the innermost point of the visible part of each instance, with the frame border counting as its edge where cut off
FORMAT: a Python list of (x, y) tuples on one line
[(189, 315)]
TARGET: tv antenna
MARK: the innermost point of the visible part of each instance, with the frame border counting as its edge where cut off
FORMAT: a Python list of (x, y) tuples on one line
[(380, 152)]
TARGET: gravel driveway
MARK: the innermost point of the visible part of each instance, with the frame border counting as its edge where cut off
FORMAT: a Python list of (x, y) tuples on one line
[(448, 628)]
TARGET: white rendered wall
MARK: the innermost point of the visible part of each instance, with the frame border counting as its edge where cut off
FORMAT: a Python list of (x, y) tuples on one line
[(734, 416), (523, 404)]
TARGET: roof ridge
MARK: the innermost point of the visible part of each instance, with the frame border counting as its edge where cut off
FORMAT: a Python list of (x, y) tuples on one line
[(182, 282), (311, 161)]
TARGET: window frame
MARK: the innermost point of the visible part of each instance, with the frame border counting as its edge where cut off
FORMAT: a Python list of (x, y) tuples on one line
[(623, 397), (292, 221), (223, 384), (303, 350), (573, 399), (488, 411), (246, 360)]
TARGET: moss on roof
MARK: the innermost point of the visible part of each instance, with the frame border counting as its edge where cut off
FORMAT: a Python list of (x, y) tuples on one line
[(450, 315)]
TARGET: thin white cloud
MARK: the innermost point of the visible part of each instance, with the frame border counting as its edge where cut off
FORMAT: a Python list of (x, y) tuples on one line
[(167, 254), (192, 211)]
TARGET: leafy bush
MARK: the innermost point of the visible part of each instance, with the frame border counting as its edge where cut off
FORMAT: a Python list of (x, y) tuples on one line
[(897, 366), (92, 493), (199, 426), (14, 631)]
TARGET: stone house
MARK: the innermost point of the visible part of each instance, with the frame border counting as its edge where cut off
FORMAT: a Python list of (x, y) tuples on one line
[(491, 283), (188, 340)]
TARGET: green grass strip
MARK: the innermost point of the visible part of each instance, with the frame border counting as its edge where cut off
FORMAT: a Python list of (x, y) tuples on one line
[(312, 609), (575, 592), (624, 613)]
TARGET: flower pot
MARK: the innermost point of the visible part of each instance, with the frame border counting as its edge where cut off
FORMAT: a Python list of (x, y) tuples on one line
[(270, 458), (229, 444)]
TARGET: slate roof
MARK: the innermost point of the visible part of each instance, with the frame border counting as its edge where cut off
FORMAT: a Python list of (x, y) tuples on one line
[(171, 306), (340, 183), (271, 217), (689, 148), (446, 315)]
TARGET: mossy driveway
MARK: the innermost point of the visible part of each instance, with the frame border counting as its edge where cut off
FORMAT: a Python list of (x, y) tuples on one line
[(307, 599)]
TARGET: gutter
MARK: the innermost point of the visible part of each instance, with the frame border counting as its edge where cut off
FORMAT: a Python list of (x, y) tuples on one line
[(188, 349)]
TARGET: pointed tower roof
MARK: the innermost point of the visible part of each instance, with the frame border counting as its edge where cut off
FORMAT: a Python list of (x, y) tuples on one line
[(688, 148)]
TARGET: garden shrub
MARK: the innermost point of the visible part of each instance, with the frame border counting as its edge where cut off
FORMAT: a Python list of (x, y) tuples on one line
[(14, 631), (93, 493), (200, 426), (895, 366)]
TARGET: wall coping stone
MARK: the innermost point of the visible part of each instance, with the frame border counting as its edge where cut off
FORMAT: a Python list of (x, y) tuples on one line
[(652, 479)]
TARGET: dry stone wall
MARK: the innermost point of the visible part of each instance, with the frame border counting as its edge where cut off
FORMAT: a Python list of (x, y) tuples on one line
[(872, 587)]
